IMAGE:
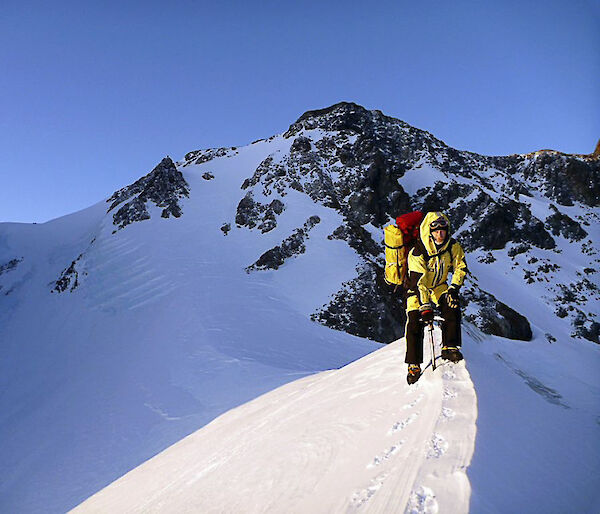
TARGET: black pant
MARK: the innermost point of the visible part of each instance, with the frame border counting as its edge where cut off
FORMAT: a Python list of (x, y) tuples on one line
[(451, 334)]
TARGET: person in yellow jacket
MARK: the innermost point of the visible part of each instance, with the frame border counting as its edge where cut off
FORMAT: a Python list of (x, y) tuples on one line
[(429, 262)]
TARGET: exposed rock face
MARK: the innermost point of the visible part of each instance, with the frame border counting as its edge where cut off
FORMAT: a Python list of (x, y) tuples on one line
[(69, 278), (202, 156), (504, 221), (596, 154), (351, 159), (290, 246), (301, 144), (563, 225), (492, 316), (572, 300), (9, 266), (563, 178), (365, 307), (7, 286), (252, 214), (163, 186), (359, 239)]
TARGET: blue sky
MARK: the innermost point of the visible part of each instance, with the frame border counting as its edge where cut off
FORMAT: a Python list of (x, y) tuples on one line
[(94, 94)]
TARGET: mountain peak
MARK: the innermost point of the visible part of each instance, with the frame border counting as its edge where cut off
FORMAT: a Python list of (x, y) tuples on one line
[(338, 108), (164, 186), (341, 116)]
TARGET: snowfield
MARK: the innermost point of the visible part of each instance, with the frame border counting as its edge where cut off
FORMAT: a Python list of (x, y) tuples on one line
[(164, 332)]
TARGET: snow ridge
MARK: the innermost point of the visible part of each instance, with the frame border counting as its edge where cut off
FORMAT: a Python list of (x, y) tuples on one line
[(358, 439)]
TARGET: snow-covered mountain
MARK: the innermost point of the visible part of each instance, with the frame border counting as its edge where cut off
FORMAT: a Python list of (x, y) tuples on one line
[(218, 278)]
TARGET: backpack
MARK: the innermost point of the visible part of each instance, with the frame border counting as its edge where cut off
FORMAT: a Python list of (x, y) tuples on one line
[(398, 241)]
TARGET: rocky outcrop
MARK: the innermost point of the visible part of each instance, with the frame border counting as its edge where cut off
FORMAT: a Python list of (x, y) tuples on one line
[(596, 154), (290, 246), (564, 178), (164, 186), (354, 166), (561, 224), (365, 307), (359, 239), (572, 300), (202, 156), (225, 228), (492, 316), (503, 221), (10, 265), (7, 286), (251, 214), (69, 279)]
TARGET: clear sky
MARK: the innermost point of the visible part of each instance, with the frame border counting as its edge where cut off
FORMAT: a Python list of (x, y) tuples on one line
[(95, 93)]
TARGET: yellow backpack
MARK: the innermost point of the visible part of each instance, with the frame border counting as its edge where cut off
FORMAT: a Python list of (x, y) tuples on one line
[(395, 255)]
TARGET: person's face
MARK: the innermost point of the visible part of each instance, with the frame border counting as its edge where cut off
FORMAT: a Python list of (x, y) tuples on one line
[(439, 235)]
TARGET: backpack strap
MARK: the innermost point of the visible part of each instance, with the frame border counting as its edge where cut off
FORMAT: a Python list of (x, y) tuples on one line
[(394, 247)]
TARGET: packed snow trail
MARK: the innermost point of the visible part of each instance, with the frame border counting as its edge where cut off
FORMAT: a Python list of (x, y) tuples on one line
[(354, 439)]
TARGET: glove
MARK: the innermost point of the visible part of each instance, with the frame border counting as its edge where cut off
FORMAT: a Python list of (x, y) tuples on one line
[(452, 297), (427, 315)]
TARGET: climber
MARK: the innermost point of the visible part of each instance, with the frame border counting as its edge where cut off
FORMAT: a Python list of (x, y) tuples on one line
[(429, 262)]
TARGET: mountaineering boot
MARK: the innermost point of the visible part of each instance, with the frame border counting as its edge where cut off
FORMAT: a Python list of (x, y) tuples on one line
[(452, 354), (414, 373)]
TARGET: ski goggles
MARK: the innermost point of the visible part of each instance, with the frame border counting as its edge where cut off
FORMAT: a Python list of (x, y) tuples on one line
[(439, 224)]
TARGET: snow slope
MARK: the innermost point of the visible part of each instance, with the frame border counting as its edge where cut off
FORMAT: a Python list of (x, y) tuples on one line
[(494, 440), (164, 332), (353, 439)]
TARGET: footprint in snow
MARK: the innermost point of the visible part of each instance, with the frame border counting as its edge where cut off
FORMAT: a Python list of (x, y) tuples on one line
[(449, 374), (437, 447), (449, 393), (413, 403), (361, 497), (422, 501), (447, 414), (386, 455), (401, 425)]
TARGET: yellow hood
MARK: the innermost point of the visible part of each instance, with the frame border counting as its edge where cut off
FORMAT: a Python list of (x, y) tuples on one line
[(425, 233)]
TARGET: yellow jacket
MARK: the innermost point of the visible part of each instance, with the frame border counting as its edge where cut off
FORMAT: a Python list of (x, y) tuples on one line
[(428, 265)]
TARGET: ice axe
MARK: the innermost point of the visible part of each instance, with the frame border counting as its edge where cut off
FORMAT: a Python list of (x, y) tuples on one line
[(439, 319), (430, 330)]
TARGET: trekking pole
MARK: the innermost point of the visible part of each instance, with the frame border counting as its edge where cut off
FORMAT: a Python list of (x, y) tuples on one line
[(430, 329)]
